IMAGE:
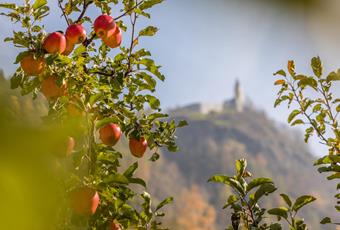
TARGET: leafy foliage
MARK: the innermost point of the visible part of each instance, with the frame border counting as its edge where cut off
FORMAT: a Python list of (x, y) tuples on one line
[(319, 112), (247, 193), (103, 86)]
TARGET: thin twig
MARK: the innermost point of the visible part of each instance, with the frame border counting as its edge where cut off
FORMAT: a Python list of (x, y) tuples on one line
[(103, 73), (128, 11), (63, 12), (133, 23), (85, 6), (88, 41)]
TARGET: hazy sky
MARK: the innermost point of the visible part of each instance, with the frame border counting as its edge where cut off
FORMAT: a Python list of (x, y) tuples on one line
[(204, 45)]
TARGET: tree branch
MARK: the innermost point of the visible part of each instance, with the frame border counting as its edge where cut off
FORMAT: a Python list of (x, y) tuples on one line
[(63, 12), (85, 6), (128, 11)]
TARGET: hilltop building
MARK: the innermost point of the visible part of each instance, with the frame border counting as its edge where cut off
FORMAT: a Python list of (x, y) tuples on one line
[(237, 103)]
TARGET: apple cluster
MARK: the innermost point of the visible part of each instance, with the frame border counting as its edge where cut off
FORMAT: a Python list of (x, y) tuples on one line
[(111, 133), (60, 43)]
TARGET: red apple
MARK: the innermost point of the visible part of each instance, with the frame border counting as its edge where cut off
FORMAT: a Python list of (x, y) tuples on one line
[(55, 43), (104, 26), (32, 66), (51, 89), (138, 147), (115, 39), (110, 134), (75, 33), (69, 47), (84, 201)]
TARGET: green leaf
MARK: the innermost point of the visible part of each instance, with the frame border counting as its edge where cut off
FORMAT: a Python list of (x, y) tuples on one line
[(293, 114), (95, 97), (264, 189), (182, 123), (154, 157), (297, 122), (275, 226), (131, 170), (20, 56), (316, 66), (333, 76), (228, 181), (164, 202), (116, 178), (106, 121), (302, 201), (153, 101), (137, 181), (154, 116), (257, 182), (149, 3), (39, 3), (308, 82), (148, 31), (79, 50), (281, 212), (11, 6), (218, 179), (334, 176), (326, 220), (280, 72), (16, 81), (286, 198), (152, 67), (240, 166), (231, 200)]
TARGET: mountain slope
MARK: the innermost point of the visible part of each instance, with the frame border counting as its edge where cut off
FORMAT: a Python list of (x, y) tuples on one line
[(211, 143)]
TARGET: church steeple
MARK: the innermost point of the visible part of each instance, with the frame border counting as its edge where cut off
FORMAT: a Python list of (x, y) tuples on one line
[(239, 96)]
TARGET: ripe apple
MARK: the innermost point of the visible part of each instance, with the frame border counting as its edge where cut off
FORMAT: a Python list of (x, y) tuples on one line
[(51, 90), (110, 134), (71, 144), (32, 66), (84, 201), (104, 26), (115, 39), (55, 43), (138, 147), (69, 47), (75, 33), (115, 225)]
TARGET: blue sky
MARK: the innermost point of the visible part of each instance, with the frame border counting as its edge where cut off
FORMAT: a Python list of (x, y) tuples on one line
[(204, 45)]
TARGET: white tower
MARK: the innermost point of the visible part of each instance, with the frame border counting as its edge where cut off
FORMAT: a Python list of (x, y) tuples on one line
[(239, 97)]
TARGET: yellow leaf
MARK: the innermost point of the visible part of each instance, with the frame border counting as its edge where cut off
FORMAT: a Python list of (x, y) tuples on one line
[(291, 67), (279, 82)]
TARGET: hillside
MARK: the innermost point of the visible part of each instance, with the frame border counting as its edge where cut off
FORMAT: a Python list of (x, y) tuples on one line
[(211, 143)]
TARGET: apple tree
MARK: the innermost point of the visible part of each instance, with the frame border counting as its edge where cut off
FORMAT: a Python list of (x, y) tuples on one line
[(97, 80)]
